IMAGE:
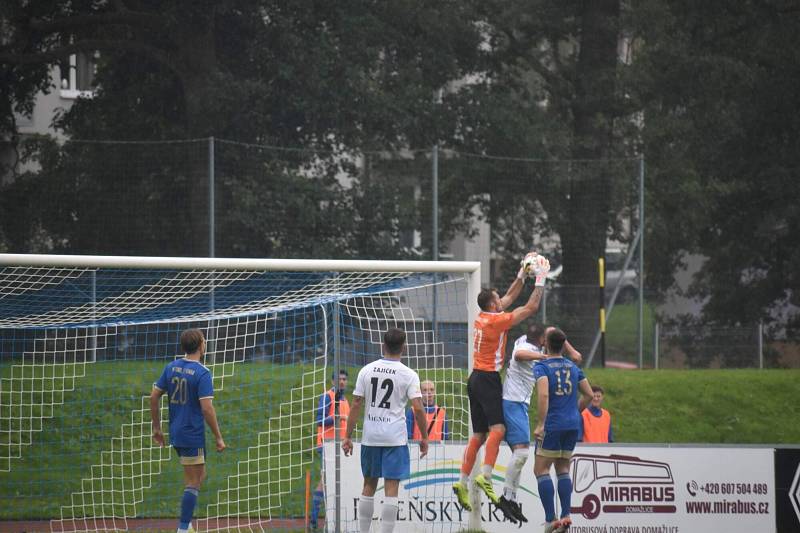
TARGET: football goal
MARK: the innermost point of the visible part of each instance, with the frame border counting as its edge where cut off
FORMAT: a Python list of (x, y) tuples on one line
[(83, 338)]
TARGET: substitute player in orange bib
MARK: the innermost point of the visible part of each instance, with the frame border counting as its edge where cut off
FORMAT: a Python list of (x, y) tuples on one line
[(484, 388)]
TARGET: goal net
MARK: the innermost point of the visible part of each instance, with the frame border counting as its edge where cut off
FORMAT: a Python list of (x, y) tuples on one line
[(83, 338)]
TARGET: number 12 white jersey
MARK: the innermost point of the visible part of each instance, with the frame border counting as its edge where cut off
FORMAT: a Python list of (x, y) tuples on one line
[(386, 387)]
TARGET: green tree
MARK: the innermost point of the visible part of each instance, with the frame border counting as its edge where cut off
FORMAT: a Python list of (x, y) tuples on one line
[(721, 123), (335, 78)]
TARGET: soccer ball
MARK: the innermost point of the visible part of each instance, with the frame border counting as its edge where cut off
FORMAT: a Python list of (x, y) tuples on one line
[(529, 263)]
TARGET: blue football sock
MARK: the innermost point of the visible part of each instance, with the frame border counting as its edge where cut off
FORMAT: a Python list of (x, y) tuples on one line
[(547, 494), (317, 503), (188, 502), (565, 493)]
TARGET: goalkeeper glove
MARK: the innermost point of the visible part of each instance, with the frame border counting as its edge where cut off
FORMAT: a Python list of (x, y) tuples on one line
[(541, 269)]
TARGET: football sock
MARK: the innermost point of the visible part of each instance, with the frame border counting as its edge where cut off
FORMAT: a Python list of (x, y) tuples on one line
[(366, 505), (493, 447), (470, 454), (547, 495), (388, 514), (518, 459), (188, 502), (565, 493), (319, 496)]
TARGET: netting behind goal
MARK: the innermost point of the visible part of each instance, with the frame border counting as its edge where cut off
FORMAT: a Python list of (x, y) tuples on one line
[(80, 347)]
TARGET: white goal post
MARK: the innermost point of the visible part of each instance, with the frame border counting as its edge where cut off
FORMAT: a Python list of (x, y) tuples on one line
[(81, 335)]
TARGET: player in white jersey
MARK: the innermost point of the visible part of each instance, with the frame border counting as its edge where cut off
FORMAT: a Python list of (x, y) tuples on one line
[(517, 391), (383, 388)]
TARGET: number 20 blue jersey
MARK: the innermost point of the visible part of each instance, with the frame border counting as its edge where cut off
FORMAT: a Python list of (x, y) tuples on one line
[(186, 381), (563, 378)]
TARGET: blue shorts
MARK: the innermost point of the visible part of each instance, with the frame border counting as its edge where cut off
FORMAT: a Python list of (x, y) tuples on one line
[(388, 462), (191, 456), (518, 427), (557, 444)]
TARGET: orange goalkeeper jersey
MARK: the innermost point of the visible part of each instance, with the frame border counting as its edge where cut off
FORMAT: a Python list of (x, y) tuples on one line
[(490, 340)]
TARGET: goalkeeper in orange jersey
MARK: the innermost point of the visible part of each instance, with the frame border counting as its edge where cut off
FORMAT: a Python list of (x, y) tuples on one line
[(484, 388)]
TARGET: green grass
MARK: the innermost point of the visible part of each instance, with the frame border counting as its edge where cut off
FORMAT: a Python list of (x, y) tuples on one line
[(263, 448), (702, 406), (709, 406), (622, 333)]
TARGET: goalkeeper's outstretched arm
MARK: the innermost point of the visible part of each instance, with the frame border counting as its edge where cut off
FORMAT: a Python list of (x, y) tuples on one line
[(515, 288), (529, 309)]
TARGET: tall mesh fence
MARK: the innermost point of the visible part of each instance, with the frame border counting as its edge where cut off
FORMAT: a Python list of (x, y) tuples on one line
[(202, 197)]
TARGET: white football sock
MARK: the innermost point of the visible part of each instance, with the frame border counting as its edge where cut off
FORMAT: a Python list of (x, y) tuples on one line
[(388, 514), (366, 505), (518, 459)]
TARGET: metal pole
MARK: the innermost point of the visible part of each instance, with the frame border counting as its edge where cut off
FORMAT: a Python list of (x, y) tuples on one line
[(641, 260), (656, 334), (601, 269), (614, 294), (474, 517), (435, 202), (211, 200), (760, 345), (94, 316), (211, 222), (434, 231), (336, 422)]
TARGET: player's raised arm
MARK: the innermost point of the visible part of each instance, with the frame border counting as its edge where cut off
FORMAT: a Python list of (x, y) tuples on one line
[(541, 268), (515, 288), (572, 353), (586, 394), (523, 354)]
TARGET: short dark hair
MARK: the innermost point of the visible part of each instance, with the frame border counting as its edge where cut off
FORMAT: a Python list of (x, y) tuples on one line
[(485, 297), (555, 341), (191, 339), (341, 373), (394, 339), (598, 388), (535, 331)]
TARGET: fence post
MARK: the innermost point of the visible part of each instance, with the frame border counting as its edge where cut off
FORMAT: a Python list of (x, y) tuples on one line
[(212, 304), (434, 229), (656, 334), (211, 199), (601, 270), (760, 345), (337, 441), (641, 260)]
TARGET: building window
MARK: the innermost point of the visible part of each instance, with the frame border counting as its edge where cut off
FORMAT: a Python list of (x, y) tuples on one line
[(77, 75)]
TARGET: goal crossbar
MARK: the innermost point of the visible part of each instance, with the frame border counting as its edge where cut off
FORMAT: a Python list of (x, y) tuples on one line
[(211, 263)]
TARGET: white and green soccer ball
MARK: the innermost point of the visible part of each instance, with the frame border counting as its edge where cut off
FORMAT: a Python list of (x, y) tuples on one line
[(529, 264)]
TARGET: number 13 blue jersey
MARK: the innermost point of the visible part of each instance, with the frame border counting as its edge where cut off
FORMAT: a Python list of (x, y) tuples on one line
[(186, 382), (562, 378)]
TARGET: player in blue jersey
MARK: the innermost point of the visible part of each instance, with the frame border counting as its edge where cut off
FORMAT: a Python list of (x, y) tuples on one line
[(517, 389), (558, 381), (187, 383)]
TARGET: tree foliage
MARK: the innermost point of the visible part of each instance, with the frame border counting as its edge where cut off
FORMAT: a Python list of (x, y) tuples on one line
[(704, 91), (717, 84)]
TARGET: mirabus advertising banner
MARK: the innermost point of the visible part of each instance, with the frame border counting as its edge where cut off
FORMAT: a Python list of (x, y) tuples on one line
[(616, 489)]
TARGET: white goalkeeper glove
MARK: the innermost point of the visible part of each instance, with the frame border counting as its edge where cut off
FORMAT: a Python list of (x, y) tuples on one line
[(541, 268)]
